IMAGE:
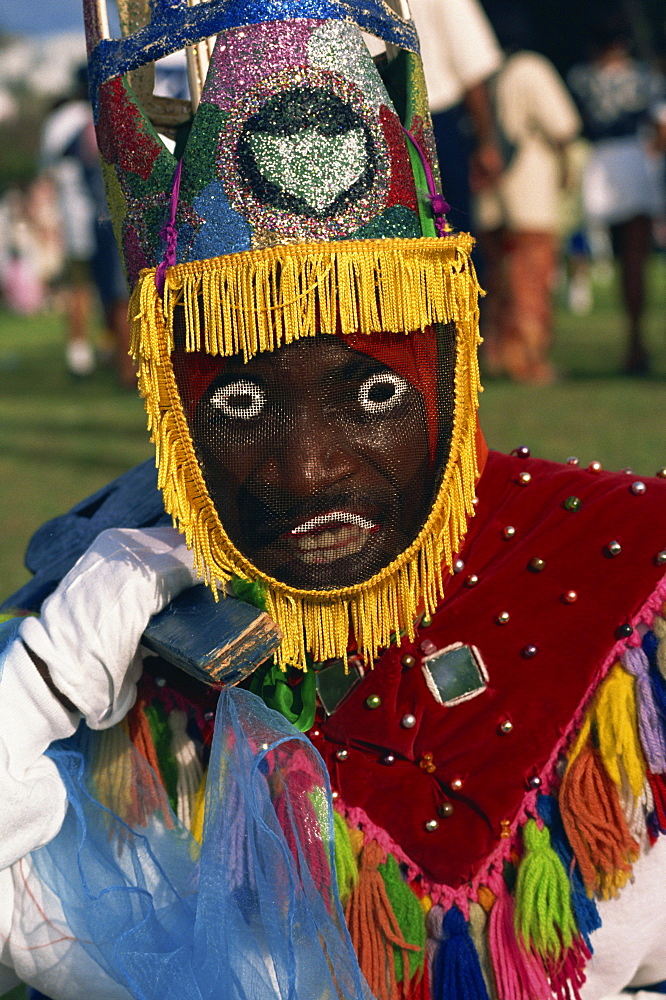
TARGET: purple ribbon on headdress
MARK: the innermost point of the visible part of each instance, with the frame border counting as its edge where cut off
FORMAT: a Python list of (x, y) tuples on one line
[(169, 233), (440, 205)]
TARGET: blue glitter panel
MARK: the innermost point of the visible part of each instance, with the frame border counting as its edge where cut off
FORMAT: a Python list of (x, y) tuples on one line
[(174, 25), (224, 231)]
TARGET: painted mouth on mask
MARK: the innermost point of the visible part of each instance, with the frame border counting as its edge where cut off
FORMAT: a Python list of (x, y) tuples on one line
[(323, 539)]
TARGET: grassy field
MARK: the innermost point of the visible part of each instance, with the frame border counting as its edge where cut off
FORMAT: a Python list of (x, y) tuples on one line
[(592, 412), (61, 438)]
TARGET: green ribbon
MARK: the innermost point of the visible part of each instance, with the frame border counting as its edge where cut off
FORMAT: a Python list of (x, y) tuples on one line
[(292, 693)]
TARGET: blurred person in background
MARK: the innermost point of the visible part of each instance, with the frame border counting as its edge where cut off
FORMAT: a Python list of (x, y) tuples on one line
[(62, 155), (30, 245), (20, 285), (460, 53), (518, 219), (106, 268), (92, 262), (623, 189)]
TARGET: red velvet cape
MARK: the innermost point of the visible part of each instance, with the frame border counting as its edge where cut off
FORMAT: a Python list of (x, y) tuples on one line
[(538, 694)]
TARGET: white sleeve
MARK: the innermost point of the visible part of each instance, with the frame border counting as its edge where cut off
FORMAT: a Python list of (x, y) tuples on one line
[(630, 947), (551, 107), (88, 637), (31, 792), (474, 51), (458, 48)]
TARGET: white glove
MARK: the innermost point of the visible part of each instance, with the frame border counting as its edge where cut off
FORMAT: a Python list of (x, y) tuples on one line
[(89, 629)]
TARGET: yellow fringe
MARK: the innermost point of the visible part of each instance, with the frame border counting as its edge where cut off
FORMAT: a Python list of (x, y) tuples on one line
[(198, 811), (612, 717), (617, 730), (112, 770), (257, 301)]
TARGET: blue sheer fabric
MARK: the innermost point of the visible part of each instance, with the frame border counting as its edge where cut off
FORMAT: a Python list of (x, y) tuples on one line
[(252, 914)]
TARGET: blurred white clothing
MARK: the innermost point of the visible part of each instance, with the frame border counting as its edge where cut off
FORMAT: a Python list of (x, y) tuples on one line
[(77, 211), (538, 118), (623, 178), (458, 48)]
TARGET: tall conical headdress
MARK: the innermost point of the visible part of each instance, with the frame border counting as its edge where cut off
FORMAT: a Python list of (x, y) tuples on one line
[(301, 201)]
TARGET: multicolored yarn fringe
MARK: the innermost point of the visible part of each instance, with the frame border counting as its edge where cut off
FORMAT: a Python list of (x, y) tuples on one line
[(261, 300), (520, 930), (172, 735)]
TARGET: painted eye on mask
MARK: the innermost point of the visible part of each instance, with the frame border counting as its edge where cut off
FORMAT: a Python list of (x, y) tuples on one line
[(239, 400), (382, 392)]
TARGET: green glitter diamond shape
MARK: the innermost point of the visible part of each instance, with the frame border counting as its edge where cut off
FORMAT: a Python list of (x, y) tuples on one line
[(310, 165)]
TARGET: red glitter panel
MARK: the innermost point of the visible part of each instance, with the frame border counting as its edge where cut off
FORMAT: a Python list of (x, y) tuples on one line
[(122, 136), (402, 190)]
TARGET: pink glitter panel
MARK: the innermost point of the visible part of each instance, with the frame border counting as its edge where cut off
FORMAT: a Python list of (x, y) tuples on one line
[(244, 56)]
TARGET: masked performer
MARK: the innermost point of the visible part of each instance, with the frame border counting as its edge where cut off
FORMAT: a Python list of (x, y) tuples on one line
[(473, 643)]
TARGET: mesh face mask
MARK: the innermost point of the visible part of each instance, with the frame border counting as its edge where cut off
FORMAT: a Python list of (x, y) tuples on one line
[(308, 357), (323, 458), (336, 470)]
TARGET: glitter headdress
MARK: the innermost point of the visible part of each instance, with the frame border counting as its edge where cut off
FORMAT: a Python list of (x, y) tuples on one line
[(302, 202)]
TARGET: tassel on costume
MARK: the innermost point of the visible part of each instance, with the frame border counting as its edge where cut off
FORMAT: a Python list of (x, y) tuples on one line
[(658, 787), (650, 723), (457, 970), (159, 730), (595, 825), (519, 974), (112, 770), (567, 974), (346, 869), (151, 797), (615, 721), (188, 766), (478, 931), (655, 650), (420, 990), (125, 781), (636, 811), (299, 825), (199, 810), (659, 629), (584, 907), (411, 921), (544, 919), (373, 927)]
